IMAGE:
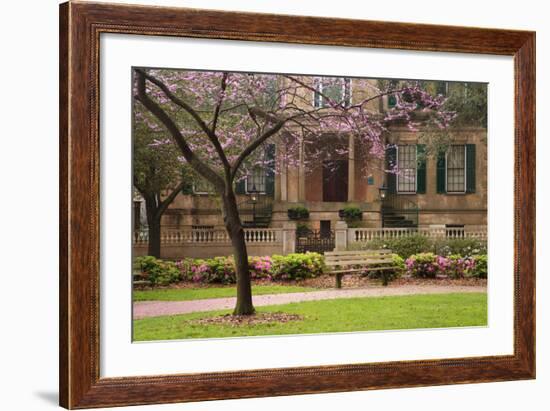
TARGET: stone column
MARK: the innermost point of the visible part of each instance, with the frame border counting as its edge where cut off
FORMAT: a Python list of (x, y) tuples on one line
[(283, 174), (351, 168), (283, 183), (341, 236), (289, 237)]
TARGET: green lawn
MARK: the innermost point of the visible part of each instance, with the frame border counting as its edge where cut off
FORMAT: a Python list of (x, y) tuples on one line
[(185, 294), (353, 314)]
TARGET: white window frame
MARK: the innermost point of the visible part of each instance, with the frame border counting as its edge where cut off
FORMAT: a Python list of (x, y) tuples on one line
[(446, 88), (416, 171), (255, 192), (199, 192), (318, 83), (447, 169)]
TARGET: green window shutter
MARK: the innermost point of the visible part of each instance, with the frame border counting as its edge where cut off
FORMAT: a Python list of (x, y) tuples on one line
[(270, 169), (470, 168), (239, 186), (441, 172), (391, 158), (421, 169)]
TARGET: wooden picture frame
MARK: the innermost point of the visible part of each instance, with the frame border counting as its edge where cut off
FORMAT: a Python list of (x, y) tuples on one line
[(80, 27)]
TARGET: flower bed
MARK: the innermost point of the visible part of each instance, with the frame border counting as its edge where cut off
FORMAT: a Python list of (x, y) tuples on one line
[(429, 265), (221, 270), (299, 267)]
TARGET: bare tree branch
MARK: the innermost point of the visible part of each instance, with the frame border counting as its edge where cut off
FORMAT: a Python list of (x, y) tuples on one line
[(254, 145), (220, 101), (163, 205)]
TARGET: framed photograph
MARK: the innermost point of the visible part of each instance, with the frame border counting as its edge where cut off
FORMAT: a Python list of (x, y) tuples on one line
[(260, 205)]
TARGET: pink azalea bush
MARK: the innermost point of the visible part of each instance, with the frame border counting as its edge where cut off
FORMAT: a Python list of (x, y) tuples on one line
[(459, 267), (276, 268), (423, 265), (260, 267), (429, 265)]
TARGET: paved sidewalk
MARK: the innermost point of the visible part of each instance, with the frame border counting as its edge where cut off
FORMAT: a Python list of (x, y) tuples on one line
[(143, 309)]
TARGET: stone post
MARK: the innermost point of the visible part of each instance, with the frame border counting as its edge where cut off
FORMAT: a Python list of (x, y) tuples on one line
[(341, 236), (289, 237)]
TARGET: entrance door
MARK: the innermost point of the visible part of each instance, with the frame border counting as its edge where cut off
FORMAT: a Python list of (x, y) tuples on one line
[(325, 229), (335, 180)]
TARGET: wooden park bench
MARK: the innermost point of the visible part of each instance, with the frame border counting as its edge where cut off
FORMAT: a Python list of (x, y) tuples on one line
[(349, 262), (140, 279)]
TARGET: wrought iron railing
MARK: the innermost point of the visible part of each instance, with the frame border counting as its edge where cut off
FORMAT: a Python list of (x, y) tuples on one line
[(256, 209)]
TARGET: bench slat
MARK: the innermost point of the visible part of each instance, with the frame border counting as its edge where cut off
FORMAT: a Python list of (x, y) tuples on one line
[(356, 262), (385, 251), (358, 270)]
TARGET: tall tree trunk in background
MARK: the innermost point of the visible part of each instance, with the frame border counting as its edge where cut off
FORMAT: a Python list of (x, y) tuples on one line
[(235, 230), (153, 221), (155, 208)]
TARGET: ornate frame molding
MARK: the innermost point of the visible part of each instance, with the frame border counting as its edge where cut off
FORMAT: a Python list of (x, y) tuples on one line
[(80, 27)]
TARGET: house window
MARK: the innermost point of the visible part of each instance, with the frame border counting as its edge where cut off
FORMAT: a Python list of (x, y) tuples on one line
[(255, 181), (202, 186), (392, 98), (406, 165), (456, 169), (442, 88), (336, 89)]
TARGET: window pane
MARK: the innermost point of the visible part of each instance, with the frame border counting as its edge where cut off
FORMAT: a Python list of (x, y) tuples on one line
[(456, 173), (406, 163), (256, 181), (336, 89), (202, 186)]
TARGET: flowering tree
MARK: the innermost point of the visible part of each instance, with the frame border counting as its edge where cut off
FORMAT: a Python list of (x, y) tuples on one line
[(222, 121)]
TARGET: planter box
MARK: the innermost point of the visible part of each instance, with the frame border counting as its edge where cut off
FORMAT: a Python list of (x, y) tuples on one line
[(297, 215), (342, 215)]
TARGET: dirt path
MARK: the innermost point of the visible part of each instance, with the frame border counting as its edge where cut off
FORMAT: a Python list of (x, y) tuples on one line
[(143, 309)]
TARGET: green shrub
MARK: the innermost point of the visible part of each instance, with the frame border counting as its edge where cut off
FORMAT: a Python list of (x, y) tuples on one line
[(221, 270), (260, 267), (403, 246), (297, 266), (351, 213), (302, 229), (480, 266), (423, 265), (298, 213), (465, 247), (389, 275), (158, 272), (415, 244), (456, 266), (276, 268)]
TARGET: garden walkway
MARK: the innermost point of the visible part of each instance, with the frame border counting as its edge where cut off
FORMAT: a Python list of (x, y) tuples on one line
[(143, 309)]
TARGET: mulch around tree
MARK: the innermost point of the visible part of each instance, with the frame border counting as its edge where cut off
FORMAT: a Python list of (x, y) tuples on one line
[(246, 320)]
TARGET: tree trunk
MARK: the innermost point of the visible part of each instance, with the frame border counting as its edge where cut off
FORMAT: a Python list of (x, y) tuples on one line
[(153, 221), (235, 230)]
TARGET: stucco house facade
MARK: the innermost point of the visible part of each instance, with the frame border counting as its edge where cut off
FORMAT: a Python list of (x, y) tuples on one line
[(427, 188)]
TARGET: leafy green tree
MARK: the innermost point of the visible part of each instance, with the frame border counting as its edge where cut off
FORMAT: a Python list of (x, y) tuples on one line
[(159, 176)]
